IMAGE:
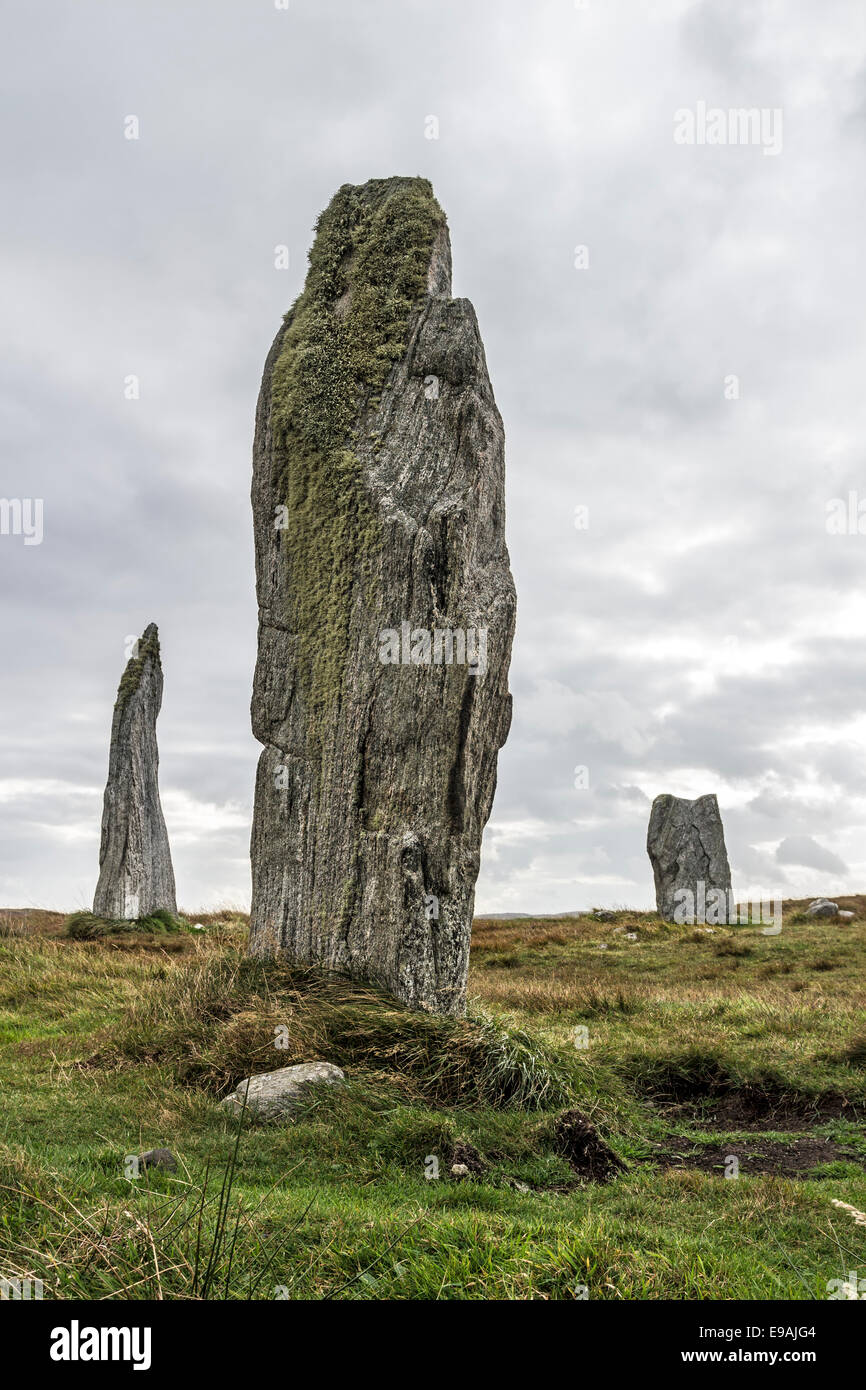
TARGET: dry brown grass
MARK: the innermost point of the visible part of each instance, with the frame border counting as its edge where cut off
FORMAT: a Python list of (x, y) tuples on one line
[(488, 935), (514, 934), (30, 921), (537, 993)]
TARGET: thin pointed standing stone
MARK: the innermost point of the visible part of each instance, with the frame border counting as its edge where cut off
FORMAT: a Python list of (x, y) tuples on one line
[(135, 873), (686, 846), (378, 503)]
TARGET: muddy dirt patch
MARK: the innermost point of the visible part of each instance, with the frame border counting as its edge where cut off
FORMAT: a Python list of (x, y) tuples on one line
[(578, 1140), (465, 1155), (793, 1160), (759, 1110)]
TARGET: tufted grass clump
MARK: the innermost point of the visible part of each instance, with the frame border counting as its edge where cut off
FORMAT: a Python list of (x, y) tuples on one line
[(367, 276), (214, 1022), (88, 926)]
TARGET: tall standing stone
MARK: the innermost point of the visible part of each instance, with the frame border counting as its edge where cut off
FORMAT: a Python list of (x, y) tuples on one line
[(386, 606), (686, 846), (135, 873)]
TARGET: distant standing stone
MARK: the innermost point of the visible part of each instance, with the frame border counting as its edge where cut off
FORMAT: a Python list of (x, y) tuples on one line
[(135, 873), (686, 846)]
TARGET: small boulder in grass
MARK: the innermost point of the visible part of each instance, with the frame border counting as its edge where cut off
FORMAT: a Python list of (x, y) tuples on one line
[(158, 1158), (274, 1094), (822, 907), (845, 916)]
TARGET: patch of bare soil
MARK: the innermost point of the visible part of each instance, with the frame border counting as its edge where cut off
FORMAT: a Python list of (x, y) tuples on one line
[(466, 1154), (791, 1160), (759, 1110), (578, 1140)]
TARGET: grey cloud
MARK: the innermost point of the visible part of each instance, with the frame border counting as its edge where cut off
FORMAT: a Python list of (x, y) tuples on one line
[(635, 655), (803, 849)]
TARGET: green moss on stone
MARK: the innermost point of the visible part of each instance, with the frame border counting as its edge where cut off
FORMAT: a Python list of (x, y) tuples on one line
[(148, 646), (367, 277)]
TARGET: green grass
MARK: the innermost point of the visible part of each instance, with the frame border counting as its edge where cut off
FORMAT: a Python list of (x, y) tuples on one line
[(108, 1047), (87, 926)]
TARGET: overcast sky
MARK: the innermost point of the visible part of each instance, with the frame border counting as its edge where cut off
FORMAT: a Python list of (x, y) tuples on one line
[(698, 385)]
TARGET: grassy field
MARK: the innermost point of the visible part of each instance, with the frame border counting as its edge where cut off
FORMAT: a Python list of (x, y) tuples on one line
[(725, 1069)]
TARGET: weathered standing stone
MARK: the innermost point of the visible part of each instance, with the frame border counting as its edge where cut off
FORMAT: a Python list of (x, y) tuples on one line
[(135, 873), (378, 482), (686, 846)]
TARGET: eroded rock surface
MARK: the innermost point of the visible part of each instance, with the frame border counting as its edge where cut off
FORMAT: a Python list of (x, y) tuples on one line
[(135, 873), (386, 606)]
